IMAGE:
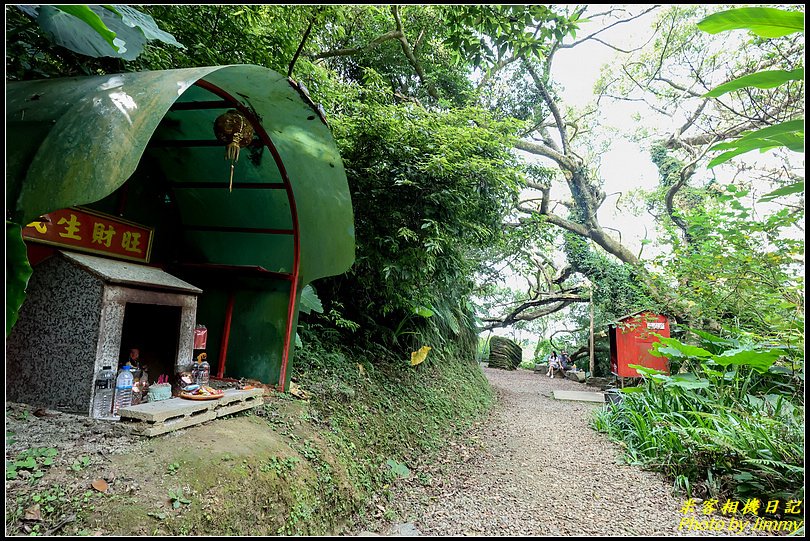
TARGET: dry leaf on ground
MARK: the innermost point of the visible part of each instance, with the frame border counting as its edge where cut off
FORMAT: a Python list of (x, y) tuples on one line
[(34, 513), (100, 485)]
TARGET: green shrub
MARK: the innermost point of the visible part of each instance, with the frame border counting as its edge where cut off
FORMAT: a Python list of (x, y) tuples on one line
[(380, 410), (733, 425)]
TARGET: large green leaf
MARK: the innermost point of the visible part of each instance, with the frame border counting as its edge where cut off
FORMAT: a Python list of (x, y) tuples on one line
[(756, 144), (310, 301), (713, 338), (760, 79), (796, 187), (134, 18), (646, 371), (762, 21), (659, 377), (445, 314), (748, 145), (758, 360), (788, 134), (18, 271), (769, 132), (687, 381), (452, 322), (92, 19), (671, 347), (76, 34), (116, 31), (399, 469)]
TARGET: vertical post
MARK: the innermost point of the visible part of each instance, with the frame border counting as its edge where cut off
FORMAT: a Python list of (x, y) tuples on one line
[(285, 355), (593, 361), (226, 335)]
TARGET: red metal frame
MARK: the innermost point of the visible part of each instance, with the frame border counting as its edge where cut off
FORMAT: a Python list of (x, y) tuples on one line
[(226, 335), (262, 134)]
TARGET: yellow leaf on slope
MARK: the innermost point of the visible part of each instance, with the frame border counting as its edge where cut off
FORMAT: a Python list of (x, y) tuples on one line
[(418, 356), (297, 391)]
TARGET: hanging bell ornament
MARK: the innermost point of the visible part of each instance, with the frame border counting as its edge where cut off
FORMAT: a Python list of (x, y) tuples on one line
[(233, 129)]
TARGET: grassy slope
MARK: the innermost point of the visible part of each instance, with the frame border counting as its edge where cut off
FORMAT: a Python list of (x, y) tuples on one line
[(293, 466)]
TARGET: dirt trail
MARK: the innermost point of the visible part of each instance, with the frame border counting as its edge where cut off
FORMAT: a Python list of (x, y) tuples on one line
[(534, 467)]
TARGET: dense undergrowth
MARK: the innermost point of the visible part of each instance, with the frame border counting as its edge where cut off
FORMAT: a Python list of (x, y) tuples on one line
[(730, 424), (380, 414)]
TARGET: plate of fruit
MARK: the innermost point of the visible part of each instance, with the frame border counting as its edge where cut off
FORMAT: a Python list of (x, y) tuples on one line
[(201, 392)]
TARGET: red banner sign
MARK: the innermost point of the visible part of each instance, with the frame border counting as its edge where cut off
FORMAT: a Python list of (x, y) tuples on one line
[(90, 231)]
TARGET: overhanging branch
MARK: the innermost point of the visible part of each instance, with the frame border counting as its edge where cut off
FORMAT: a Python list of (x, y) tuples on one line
[(543, 150), (552, 106), (608, 27), (393, 34), (550, 302)]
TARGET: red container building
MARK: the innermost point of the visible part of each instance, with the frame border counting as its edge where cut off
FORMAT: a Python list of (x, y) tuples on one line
[(631, 338)]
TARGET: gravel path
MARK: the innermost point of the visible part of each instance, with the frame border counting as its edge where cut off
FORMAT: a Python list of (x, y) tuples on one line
[(534, 467)]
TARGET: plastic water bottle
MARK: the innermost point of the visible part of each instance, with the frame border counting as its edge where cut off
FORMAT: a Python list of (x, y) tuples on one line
[(203, 372), (123, 389), (104, 392)]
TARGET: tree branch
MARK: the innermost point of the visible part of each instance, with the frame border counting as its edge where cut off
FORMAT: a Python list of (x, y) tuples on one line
[(393, 34), (591, 36), (678, 87), (544, 150), (499, 65), (303, 42), (552, 106), (686, 172), (619, 49), (690, 121), (559, 221), (563, 274), (408, 50), (709, 138), (557, 302), (418, 42)]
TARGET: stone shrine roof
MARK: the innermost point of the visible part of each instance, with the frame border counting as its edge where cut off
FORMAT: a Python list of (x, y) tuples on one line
[(129, 273)]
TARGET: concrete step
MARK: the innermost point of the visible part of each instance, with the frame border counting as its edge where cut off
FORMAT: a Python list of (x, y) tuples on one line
[(582, 396), (155, 418)]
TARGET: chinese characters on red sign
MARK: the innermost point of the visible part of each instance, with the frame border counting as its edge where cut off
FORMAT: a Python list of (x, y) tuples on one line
[(89, 231)]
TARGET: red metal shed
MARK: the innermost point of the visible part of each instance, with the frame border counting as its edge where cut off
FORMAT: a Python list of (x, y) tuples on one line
[(631, 338)]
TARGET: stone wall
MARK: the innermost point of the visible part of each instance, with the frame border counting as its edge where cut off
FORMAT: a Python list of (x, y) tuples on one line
[(51, 351)]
